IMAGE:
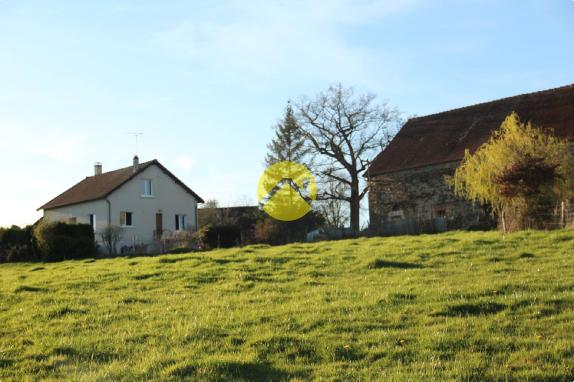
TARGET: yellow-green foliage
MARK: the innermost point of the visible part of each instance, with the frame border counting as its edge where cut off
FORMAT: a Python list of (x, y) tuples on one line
[(475, 178)]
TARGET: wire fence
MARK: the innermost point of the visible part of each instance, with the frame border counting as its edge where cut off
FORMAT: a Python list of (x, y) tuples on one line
[(546, 217)]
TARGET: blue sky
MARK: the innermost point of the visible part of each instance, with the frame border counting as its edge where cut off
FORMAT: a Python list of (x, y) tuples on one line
[(206, 80)]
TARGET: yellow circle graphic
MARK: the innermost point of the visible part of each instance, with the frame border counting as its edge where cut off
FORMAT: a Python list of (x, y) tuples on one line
[(286, 191)]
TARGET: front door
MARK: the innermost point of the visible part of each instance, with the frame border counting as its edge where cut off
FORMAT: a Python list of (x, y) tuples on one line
[(158, 225)]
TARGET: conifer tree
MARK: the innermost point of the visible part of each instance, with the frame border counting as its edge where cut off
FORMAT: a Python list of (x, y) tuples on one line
[(289, 142)]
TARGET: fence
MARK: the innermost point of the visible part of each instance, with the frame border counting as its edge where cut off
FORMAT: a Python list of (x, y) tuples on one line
[(547, 217), (541, 216)]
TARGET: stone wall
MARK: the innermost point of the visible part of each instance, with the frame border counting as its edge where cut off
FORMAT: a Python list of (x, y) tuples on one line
[(418, 201)]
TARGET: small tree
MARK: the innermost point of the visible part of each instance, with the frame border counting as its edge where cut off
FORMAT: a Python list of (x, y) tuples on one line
[(334, 210), (110, 236), (521, 172), (289, 143)]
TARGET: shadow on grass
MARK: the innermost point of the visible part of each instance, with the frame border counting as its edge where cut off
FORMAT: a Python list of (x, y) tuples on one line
[(478, 309), (230, 371), (379, 263), (288, 348), (24, 288), (146, 276), (64, 312)]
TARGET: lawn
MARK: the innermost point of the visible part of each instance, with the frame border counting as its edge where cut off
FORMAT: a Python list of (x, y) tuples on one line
[(456, 306)]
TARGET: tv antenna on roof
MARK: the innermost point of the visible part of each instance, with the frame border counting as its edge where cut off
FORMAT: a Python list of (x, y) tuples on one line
[(136, 134)]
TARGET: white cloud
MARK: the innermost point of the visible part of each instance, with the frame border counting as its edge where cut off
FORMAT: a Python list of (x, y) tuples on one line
[(184, 162), (268, 38)]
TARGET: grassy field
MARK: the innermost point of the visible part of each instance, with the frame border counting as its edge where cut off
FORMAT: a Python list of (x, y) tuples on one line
[(456, 306)]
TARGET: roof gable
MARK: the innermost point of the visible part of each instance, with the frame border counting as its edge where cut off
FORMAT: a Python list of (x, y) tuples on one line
[(100, 186), (444, 137)]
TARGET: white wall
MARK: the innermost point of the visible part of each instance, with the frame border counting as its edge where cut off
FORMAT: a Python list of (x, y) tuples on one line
[(169, 198), (82, 213)]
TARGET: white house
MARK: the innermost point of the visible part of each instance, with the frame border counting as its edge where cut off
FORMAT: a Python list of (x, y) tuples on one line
[(145, 199)]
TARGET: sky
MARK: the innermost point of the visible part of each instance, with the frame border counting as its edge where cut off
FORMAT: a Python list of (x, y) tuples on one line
[(206, 80)]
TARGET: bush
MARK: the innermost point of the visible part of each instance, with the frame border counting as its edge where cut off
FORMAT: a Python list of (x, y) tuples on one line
[(522, 173), (17, 244), (223, 236), (61, 241)]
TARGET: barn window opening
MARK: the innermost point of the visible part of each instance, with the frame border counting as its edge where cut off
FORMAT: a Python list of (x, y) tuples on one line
[(396, 214)]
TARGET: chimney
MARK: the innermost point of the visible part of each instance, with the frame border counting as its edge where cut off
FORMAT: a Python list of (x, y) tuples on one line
[(136, 163), (98, 168)]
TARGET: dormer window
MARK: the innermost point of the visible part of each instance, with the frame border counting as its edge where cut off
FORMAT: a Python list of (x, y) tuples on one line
[(147, 188)]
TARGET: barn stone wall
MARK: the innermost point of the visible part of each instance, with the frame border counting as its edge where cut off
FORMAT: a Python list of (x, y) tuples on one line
[(418, 201)]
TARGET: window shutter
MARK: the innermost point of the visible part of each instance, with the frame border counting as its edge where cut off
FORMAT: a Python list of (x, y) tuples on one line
[(176, 222), (122, 218)]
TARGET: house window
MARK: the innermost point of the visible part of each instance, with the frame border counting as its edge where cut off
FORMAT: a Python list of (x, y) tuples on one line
[(126, 219), (180, 222), (147, 187), (93, 221)]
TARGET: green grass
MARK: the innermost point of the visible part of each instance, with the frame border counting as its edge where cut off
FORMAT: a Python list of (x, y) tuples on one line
[(457, 306)]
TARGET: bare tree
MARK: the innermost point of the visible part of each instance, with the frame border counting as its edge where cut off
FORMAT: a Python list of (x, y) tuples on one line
[(110, 236), (345, 132), (334, 210)]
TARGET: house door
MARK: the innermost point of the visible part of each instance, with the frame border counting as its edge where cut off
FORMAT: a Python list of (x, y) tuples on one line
[(158, 225)]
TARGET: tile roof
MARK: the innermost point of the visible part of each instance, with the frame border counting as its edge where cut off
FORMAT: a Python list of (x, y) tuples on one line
[(444, 137), (100, 186)]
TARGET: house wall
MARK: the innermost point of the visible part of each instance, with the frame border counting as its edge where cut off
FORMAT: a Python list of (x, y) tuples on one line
[(82, 213), (419, 200), (169, 198)]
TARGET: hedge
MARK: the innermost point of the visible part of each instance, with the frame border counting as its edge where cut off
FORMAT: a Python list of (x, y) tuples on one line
[(61, 241)]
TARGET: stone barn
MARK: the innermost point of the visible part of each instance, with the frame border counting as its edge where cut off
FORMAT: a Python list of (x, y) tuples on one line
[(408, 193)]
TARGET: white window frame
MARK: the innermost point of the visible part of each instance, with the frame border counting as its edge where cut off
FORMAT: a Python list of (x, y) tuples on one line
[(145, 193), (181, 222)]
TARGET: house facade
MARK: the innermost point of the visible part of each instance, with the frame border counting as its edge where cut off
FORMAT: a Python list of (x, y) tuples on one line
[(145, 199), (408, 193)]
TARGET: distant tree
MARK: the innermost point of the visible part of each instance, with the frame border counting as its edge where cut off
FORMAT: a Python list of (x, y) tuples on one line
[(209, 213), (345, 132), (334, 210), (211, 203), (522, 172), (289, 141)]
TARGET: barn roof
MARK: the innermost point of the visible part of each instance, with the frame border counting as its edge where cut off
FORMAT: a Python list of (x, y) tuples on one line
[(444, 137), (100, 186)]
